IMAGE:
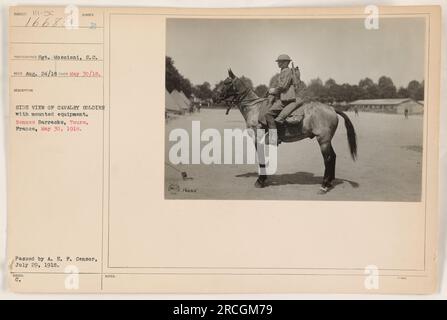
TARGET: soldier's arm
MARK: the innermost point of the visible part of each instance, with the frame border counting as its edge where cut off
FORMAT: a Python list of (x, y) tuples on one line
[(285, 80)]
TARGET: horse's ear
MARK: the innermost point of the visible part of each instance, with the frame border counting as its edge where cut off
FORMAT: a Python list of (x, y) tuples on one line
[(231, 74)]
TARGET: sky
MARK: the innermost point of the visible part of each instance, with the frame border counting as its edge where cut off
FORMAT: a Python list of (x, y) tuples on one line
[(342, 49)]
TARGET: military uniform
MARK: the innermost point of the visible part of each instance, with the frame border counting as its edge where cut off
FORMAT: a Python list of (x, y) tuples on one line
[(283, 94), (282, 98)]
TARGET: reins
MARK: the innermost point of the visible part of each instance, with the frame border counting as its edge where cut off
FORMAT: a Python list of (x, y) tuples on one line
[(239, 98)]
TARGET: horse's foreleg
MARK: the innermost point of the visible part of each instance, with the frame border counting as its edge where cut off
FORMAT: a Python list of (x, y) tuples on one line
[(259, 147), (260, 182)]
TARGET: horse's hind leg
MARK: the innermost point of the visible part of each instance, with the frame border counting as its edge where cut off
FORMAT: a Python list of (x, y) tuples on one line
[(329, 158)]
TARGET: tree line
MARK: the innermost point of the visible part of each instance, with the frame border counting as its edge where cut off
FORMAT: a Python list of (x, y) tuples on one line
[(329, 91)]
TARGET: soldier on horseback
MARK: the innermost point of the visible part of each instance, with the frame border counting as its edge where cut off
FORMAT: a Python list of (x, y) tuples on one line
[(283, 99), (314, 120)]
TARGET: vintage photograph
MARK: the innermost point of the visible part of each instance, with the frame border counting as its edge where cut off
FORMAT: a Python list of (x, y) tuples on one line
[(339, 104), (221, 151)]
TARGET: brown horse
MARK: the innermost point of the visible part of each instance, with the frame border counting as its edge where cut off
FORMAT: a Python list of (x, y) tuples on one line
[(316, 120)]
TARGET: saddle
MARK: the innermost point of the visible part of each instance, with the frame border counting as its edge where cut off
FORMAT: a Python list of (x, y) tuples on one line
[(296, 117), (292, 119), (291, 130)]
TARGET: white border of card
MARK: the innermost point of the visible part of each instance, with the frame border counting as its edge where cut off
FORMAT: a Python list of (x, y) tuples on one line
[(86, 208)]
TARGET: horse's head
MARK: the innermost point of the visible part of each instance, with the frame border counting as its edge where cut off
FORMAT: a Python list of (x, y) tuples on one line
[(230, 88)]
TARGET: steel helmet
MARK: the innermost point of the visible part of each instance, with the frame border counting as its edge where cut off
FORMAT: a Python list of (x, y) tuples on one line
[(283, 57)]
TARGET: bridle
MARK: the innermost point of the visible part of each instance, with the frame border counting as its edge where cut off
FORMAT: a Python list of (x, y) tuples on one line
[(236, 97), (230, 100)]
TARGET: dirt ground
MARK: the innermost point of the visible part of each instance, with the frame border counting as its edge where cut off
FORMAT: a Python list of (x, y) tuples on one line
[(388, 168)]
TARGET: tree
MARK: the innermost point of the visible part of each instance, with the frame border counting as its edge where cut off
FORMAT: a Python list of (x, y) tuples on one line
[(416, 90), (316, 88), (421, 91), (174, 80), (331, 92), (369, 89), (344, 93), (203, 91), (386, 88), (172, 75), (330, 83), (366, 83), (186, 87), (261, 90), (355, 93), (402, 93)]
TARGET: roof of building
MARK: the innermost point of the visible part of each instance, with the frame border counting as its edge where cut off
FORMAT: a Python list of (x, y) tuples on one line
[(170, 103), (179, 99), (185, 98), (380, 101)]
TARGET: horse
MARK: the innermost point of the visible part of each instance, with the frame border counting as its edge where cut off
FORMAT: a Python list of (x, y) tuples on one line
[(317, 120)]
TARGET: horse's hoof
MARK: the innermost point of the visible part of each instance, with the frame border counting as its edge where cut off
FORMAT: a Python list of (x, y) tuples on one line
[(325, 189), (259, 184)]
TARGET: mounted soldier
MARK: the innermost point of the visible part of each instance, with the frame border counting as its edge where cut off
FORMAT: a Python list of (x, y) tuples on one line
[(283, 97), (313, 120)]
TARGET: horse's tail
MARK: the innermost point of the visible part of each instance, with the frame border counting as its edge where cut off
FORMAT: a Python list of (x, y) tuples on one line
[(352, 137)]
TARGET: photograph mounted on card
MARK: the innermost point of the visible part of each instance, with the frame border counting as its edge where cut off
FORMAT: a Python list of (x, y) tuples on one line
[(216, 150), (360, 92)]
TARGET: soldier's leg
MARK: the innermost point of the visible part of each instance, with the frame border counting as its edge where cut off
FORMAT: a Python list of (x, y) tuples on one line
[(288, 110), (272, 113), (274, 110)]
